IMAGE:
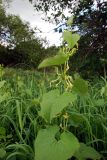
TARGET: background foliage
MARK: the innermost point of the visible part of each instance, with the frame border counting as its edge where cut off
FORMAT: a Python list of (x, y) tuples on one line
[(90, 20), (19, 43)]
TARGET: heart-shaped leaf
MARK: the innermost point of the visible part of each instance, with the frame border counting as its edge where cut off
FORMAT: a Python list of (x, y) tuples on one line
[(70, 38), (47, 102), (49, 148), (53, 61), (53, 103)]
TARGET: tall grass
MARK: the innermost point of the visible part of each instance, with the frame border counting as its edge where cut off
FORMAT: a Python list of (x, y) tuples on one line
[(21, 94)]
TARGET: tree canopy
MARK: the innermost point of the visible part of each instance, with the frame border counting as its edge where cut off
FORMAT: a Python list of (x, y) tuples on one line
[(18, 42), (13, 30), (90, 19)]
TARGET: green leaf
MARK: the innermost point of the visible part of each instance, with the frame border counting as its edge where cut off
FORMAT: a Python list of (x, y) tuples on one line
[(70, 38), (76, 119), (12, 156), (2, 131), (22, 147), (47, 147), (53, 103), (2, 83), (19, 114), (2, 153), (99, 102), (80, 86), (67, 36), (47, 102), (104, 90), (61, 102), (70, 21), (86, 152), (53, 61), (4, 97), (75, 39)]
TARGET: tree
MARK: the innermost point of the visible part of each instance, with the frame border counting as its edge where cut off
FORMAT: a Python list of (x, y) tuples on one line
[(2, 23), (18, 42), (55, 7), (90, 17), (13, 30), (30, 52)]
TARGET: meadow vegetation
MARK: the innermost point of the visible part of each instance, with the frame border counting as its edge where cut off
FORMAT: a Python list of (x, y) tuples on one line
[(23, 93), (53, 116), (56, 108)]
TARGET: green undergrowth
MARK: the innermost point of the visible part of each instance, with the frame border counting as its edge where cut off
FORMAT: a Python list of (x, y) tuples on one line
[(22, 115)]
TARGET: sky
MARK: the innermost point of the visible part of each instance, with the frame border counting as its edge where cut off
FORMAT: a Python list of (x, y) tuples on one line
[(28, 13)]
